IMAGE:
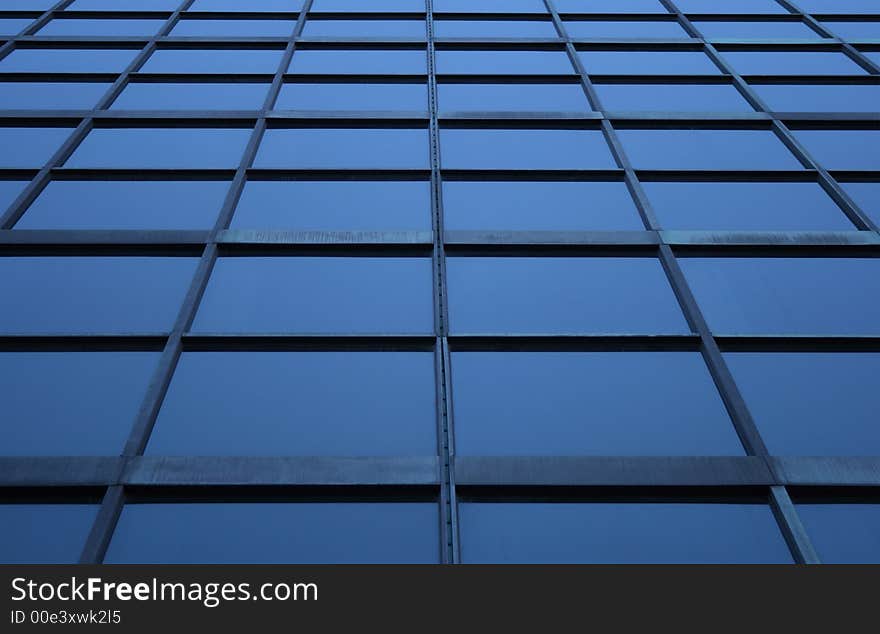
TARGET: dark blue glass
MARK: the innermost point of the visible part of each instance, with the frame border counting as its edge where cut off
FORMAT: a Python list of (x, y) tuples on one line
[(344, 148), (44, 533), (745, 207), (124, 5), (378, 6), (206, 60), (796, 296), (126, 205), (621, 29), (318, 295), (335, 206), (359, 62), (672, 97), (9, 191), (855, 31), (365, 28), (70, 403), (573, 403), (561, 295), (513, 97), (358, 96), (839, 6), (234, 28), (204, 148), (867, 197), (67, 60), (489, 6), (609, 6), (539, 206), (298, 404), (195, 96), (119, 28), (50, 96), (751, 30), (811, 404), (842, 149), (615, 533), (512, 62), (820, 97), (792, 63), (648, 63), (730, 6), (92, 294), (273, 533), (278, 6), (524, 149), (33, 146), (843, 533), (13, 26), (483, 29), (707, 150)]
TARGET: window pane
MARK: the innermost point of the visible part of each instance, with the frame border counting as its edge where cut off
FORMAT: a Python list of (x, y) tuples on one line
[(520, 62), (364, 148), (866, 196), (92, 294), (820, 98), (323, 295), (745, 207), (839, 6), (590, 29), (365, 28), (28, 5), (207, 60), (619, 533), (33, 146), (730, 6), (44, 533), (648, 63), (524, 149), (314, 532), (71, 403), (755, 30), (842, 149), (55, 96), (353, 97), (494, 28), (843, 533), (197, 96), (812, 404), (13, 26), (66, 60), (609, 6), (378, 6), (559, 295), (279, 6), (359, 62), (307, 403), (124, 5), (513, 97), (707, 149), (119, 28), (502, 402), (539, 206), (797, 296), (791, 63), (234, 28), (857, 31), (9, 191), (672, 97), (126, 205), (160, 148), (489, 6), (335, 206)]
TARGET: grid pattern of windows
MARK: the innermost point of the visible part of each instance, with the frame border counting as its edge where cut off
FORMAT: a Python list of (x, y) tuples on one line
[(426, 277)]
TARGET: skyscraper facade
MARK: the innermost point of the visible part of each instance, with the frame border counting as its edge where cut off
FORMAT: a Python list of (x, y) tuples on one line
[(440, 281)]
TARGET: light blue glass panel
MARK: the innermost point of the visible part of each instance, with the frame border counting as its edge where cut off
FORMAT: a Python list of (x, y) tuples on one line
[(730, 6), (609, 6), (195, 96), (377, 6), (820, 97), (855, 31), (672, 98), (843, 533), (44, 533), (119, 28), (33, 146), (278, 6), (489, 6), (840, 6), (223, 61), (359, 62), (234, 28), (9, 191), (512, 97), (751, 30), (16, 95), (504, 62), (648, 63), (67, 60), (792, 63), (620, 29), (301, 96), (365, 28), (341, 148), (843, 149), (483, 29), (866, 196)]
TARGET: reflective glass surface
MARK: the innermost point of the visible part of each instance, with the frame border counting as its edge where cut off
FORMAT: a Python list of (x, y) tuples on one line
[(44, 533)]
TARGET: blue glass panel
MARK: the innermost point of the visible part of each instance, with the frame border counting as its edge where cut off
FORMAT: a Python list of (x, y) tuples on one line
[(839, 6), (359, 62), (609, 6), (357, 148), (843, 533), (124, 5), (842, 149), (707, 150), (513, 97), (196, 96), (28, 5), (225, 61), (65, 60), (620, 533), (160, 148), (812, 404), (321, 295), (353, 97), (855, 31), (561, 295), (730, 6), (70, 403), (792, 63), (787, 295), (524, 149), (539, 206), (648, 63), (365, 28), (378, 6), (820, 97), (335, 206), (45, 96), (755, 30), (494, 28), (33, 146), (745, 207), (672, 97), (489, 6), (503, 404), (520, 62), (126, 205), (591, 29), (9, 191), (279, 6), (119, 28), (299, 403), (13, 26), (874, 57), (92, 294), (234, 28), (44, 533), (866, 196), (273, 533)]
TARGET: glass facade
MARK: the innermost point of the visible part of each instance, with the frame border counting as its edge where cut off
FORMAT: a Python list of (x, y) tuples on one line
[(338, 281)]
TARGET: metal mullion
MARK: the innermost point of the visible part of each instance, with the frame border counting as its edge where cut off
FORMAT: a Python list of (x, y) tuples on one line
[(102, 528), (792, 528)]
